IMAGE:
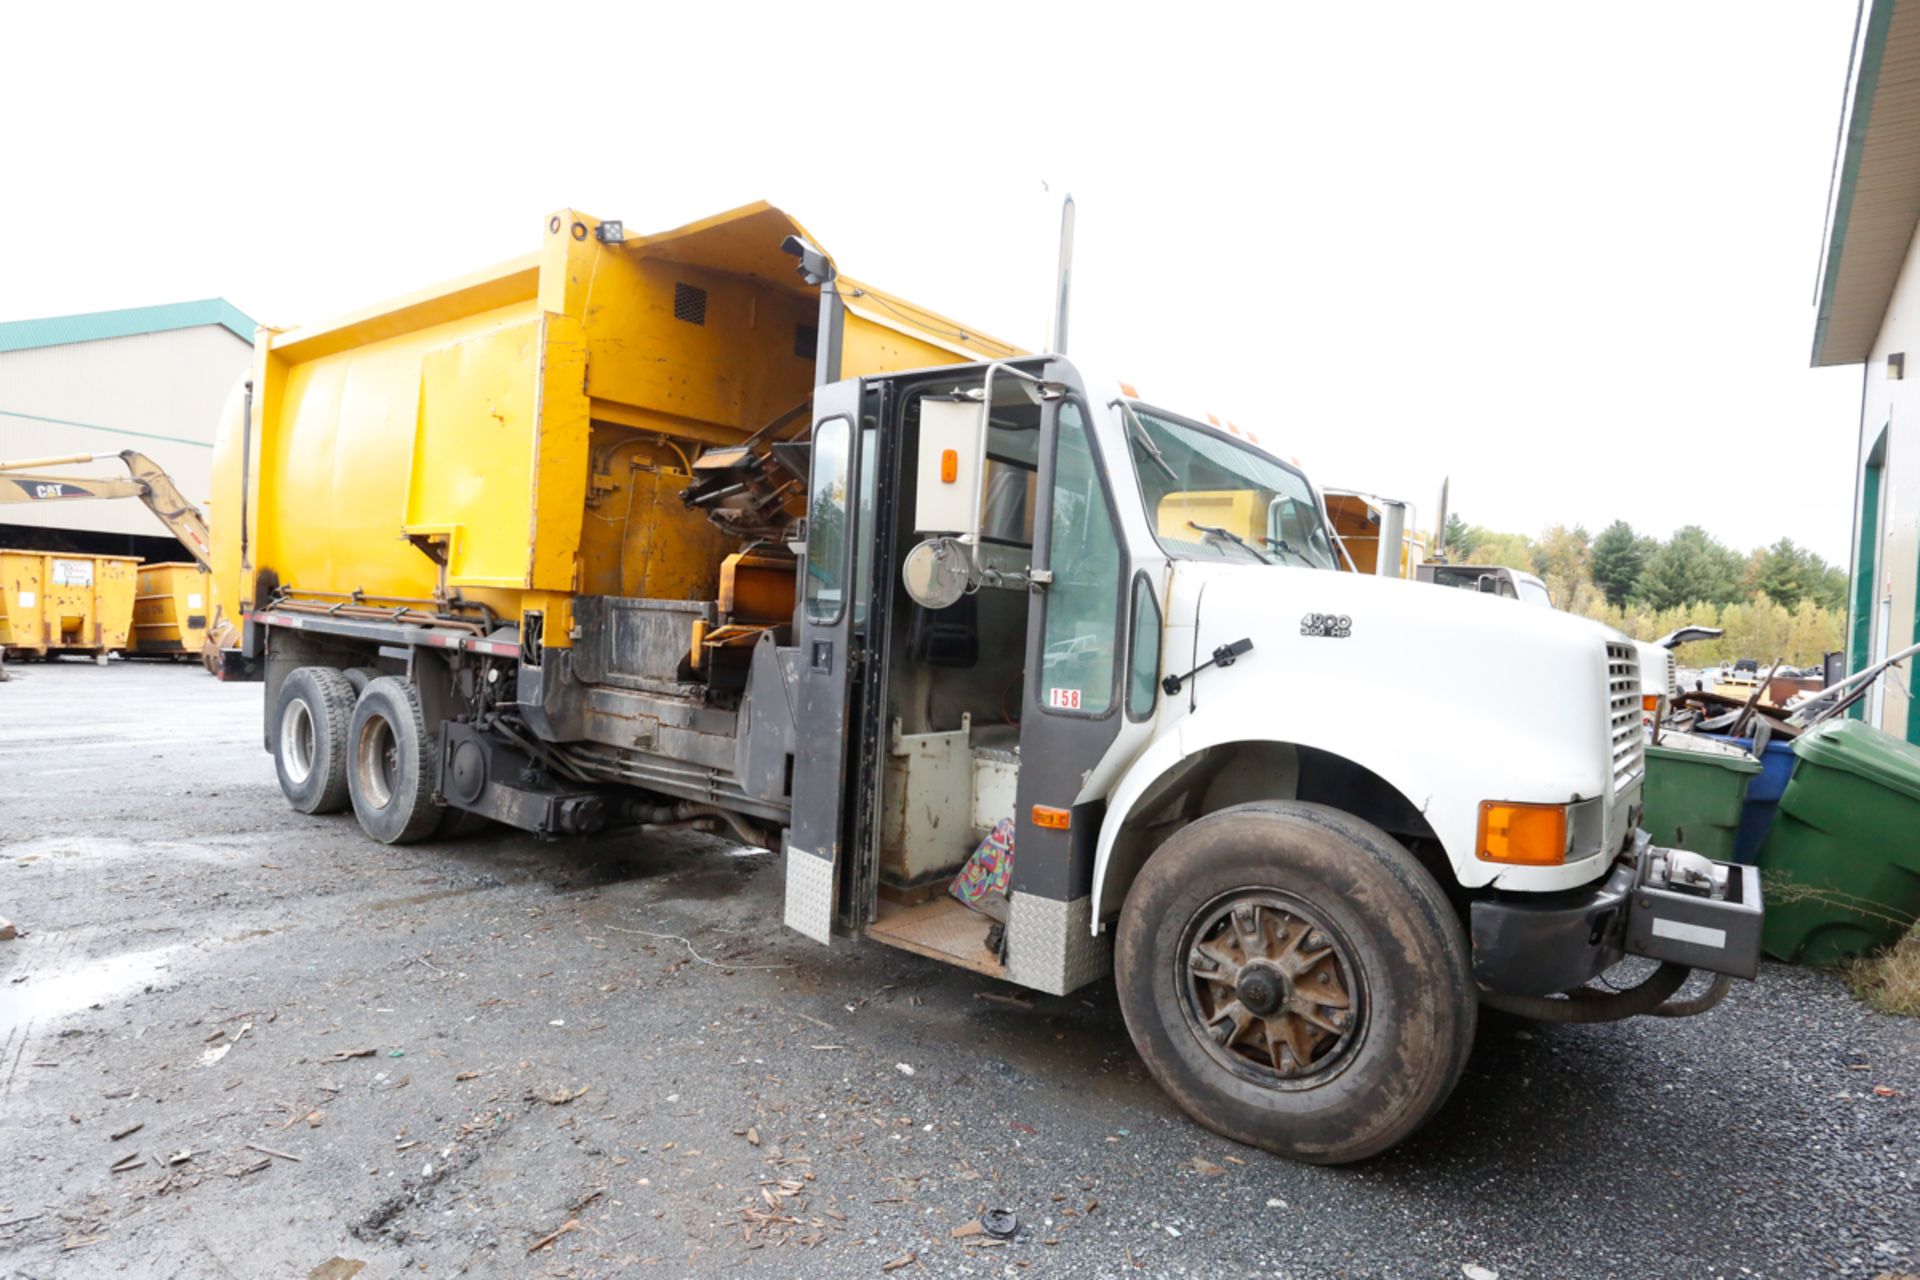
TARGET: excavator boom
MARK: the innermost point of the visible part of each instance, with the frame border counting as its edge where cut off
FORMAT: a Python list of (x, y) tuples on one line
[(146, 481)]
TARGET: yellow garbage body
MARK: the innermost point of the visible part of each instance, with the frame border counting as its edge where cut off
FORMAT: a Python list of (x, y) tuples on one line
[(170, 609), (52, 603), (521, 436)]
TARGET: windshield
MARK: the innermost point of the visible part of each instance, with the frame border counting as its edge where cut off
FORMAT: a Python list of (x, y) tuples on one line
[(1208, 498)]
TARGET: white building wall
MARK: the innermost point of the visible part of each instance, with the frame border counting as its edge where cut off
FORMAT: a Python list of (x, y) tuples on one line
[(168, 387), (1895, 407)]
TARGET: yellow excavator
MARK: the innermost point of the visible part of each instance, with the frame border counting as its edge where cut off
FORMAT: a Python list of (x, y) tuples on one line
[(146, 480)]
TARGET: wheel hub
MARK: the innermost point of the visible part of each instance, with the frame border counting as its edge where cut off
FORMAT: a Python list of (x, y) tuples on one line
[(1262, 988), (1271, 989)]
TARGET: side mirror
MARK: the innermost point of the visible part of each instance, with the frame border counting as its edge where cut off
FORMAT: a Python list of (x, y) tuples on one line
[(953, 454), (953, 449), (1489, 585)]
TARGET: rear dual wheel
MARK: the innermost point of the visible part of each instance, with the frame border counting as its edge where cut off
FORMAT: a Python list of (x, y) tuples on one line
[(359, 738), (1296, 981), (390, 764), (309, 738)]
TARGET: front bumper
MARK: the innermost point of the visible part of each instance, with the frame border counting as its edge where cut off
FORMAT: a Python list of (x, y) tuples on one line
[(1536, 945)]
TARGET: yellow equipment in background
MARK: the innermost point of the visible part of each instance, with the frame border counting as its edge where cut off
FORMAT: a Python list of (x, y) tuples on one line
[(1242, 512), (170, 610), (145, 480), (1357, 519), (52, 603), (490, 448)]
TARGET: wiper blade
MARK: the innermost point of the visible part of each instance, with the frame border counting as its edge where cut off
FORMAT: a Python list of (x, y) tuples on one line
[(1287, 548), (1138, 430), (1215, 531)]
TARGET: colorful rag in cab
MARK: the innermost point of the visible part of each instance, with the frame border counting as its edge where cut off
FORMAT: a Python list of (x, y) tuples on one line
[(984, 879)]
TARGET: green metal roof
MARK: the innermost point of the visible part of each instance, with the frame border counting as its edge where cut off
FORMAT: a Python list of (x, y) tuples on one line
[(57, 331)]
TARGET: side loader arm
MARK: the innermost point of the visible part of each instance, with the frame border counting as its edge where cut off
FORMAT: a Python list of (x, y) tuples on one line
[(146, 481)]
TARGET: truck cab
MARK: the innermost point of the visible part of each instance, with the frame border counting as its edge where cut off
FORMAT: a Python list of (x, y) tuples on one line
[(1490, 579), (1030, 595)]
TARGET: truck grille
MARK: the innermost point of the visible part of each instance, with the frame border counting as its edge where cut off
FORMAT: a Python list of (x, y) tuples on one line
[(1623, 714)]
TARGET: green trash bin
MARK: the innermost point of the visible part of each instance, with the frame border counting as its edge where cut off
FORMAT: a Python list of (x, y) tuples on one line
[(1694, 794), (1842, 863)]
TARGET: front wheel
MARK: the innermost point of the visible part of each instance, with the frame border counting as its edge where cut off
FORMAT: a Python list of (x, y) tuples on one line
[(1296, 981)]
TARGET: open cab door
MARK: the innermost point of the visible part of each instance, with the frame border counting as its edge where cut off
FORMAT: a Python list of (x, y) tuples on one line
[(817, 843)]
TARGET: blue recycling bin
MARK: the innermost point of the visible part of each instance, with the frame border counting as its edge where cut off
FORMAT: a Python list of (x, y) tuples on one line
[(1763, 795)]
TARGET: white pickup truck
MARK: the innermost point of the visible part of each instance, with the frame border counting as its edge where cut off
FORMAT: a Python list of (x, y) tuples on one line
[(1659, 675)]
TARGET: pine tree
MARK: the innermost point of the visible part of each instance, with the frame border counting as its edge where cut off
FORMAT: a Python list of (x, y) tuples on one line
[(1690, 567), (1618, 558), (1783, 573)]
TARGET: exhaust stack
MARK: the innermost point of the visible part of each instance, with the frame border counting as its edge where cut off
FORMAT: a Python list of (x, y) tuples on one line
[(1063, 284), (1393, 531)]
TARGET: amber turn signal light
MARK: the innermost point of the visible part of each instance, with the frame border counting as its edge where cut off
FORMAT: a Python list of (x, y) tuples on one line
[(1649, 702), (1527, 835), (1048, 816), (949, 466)]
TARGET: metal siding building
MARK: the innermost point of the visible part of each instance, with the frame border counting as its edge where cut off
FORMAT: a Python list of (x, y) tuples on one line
[(146, 378), (1868, 313)]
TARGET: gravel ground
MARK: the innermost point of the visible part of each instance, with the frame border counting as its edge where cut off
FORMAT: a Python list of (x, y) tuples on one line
[(434, 1058)]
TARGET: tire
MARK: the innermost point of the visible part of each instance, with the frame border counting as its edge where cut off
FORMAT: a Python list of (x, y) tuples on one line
[(309, 738), (1382, 937), (390, 763), (360, 678)]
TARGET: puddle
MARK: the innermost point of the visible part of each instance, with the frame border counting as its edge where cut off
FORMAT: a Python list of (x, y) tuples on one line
[(394, 904), (709, 883), (51, 993), (61, 851)]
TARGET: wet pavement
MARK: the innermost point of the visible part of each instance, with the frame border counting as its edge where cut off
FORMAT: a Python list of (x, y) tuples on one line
[(502, 1057)]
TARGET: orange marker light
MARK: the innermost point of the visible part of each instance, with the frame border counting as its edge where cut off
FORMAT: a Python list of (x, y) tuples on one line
[(949, 466), (1649, 702), (1527, 835), (1051, 818)]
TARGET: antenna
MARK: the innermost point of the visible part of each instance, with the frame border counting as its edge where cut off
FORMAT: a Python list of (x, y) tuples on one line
[(1064, 284)]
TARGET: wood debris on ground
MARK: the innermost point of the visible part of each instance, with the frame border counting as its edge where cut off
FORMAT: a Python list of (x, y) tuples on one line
[(546, 1241)]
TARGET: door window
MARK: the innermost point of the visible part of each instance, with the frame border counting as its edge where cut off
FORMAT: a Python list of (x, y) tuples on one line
[(1143, 672), (864, 553), (827, 521), (1079, 652)]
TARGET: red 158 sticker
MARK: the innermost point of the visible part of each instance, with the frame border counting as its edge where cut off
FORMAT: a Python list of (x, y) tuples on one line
[(1068, 699)]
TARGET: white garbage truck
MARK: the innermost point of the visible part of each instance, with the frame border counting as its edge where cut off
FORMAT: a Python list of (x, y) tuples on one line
[(1307, 821)]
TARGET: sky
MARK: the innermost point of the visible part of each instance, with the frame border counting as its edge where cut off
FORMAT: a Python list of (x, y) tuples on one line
[(1562, 253)]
